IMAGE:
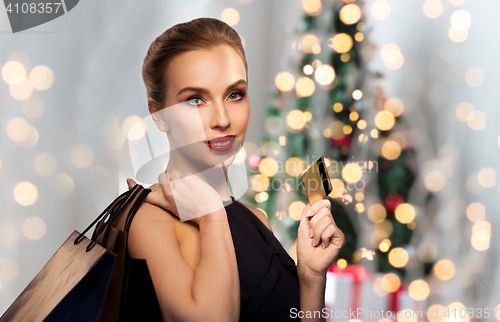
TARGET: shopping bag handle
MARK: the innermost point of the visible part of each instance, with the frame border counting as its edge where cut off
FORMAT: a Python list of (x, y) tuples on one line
[(114, 209), (137, 199)]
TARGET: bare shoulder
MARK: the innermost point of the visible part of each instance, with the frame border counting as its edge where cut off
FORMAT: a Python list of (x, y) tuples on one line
[(149, 221), (154, 236), (258, 213)]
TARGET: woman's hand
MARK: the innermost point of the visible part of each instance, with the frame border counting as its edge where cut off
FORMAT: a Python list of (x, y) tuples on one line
[(188, 197), (316, 254)]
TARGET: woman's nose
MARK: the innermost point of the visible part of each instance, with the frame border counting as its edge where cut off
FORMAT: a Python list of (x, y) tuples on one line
[(220, 118)]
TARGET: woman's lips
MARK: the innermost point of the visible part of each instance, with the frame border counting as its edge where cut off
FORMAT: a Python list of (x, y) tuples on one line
[(221, 144)]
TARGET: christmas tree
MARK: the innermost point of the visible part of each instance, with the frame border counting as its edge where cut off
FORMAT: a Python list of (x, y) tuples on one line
[(329, 103)]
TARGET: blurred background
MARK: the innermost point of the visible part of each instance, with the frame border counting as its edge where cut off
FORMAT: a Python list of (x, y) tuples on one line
[(399, 97)]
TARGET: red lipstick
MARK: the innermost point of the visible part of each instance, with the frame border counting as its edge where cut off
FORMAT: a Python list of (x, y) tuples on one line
[(221, 143)]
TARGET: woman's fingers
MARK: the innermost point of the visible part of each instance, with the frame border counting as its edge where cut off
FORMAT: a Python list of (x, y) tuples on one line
[(317, 206), (318, 217), (131, 183), (323, 228), (327, 234), (319, 229)]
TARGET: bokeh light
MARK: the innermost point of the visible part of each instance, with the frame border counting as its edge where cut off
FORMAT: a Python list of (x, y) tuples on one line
[(310, 44), (392, 56), (34, 228), (268, 167), (62, 185), (41, 77), (476, 211), (476, 120), (295, 209), (230, 16), (431, 313), (25, 193), (444, 269), (342, 263), (433, 8), (405, 213), (380, 9), (461, 20), (338, 189), (394, 105), (385, 245), (46, 164), (341, 43), (481, 234), (18, 129), (357, 94), (352, 173), (305, 87), (13, 72), (82, 156), (350, 14), (259, 182), (137, 131), (474, 76), (324, 74), (376, 213), (419, 290), (294, 166), (390, 282), (384, 120), (434, 181), (129, 123), (296, 120), (398, 257), (32, 139), (390, 150), (487, 177), (311, 7), (22, 90), (457, 36), (285, 81), (463, 111)]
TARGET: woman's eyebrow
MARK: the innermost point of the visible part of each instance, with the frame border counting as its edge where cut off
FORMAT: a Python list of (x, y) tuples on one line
[(205, 91)]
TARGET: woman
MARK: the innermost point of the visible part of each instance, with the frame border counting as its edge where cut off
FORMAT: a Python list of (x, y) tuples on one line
[(224, 263)]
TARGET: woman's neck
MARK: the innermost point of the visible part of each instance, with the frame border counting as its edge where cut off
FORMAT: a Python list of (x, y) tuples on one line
[(214, 176)]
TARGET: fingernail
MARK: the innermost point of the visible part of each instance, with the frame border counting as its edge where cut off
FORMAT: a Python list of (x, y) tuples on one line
[(313, 243), (128, 181), (308, 213), (310, 232), (323, 245)]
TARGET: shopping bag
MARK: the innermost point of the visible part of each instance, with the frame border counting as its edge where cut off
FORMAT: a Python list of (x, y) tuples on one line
[(70, 287), (92, 279), (130, 296)]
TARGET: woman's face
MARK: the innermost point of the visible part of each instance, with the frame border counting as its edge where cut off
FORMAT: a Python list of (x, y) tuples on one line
[(206, 102)]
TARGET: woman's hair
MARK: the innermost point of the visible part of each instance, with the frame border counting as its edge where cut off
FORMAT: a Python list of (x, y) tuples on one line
[(200, 33)]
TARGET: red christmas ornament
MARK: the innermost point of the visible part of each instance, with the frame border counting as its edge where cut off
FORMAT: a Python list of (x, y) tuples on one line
[(345, 141), (393, 201)]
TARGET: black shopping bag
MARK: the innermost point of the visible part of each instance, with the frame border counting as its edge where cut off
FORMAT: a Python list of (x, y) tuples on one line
[(70, 287)]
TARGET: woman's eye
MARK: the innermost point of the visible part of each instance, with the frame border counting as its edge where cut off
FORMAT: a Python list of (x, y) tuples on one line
[(193, 100), (236, 93)]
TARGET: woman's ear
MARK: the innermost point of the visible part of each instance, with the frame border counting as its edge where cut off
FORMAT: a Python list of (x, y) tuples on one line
[(154, 109)]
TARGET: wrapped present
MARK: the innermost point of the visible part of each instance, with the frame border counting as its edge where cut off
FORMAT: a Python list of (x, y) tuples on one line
[(401, 300), (349, 294)]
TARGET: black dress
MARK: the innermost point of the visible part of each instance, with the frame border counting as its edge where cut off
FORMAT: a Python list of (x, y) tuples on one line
[(269, 286)]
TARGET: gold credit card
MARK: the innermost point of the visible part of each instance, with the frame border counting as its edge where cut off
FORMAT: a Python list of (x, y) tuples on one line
[(316, 181)]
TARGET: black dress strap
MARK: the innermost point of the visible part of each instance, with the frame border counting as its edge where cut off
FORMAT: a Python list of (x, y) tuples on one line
[(228, 202)]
